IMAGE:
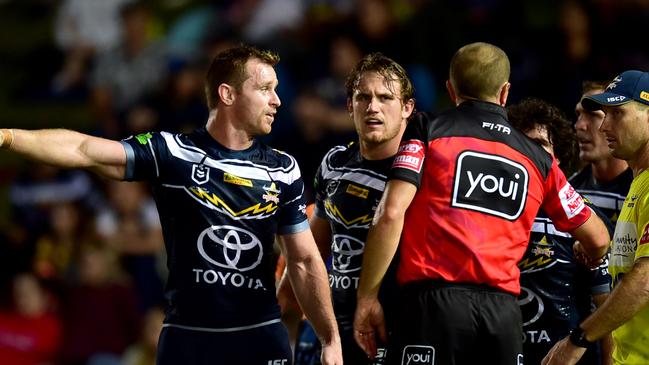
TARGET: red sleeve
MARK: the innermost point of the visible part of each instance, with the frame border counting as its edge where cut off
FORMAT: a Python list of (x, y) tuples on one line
[(562, 202), (410, 157)]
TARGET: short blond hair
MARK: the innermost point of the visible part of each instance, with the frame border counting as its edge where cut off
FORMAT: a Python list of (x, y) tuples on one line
[(479, 70)]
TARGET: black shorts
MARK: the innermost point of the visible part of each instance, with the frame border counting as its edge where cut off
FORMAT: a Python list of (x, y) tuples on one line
[(449, 324), (263, 345)]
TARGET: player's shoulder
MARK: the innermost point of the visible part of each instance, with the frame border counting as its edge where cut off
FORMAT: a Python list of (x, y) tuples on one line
[(273, 158), (340, 155)]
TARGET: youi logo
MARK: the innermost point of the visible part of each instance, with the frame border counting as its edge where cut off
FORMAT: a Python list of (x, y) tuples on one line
[(490, 184), (418, 355)]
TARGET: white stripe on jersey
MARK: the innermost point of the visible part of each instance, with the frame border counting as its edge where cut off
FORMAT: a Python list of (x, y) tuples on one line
[(355, 175), (241, 168), (602, 199), (545, 226)]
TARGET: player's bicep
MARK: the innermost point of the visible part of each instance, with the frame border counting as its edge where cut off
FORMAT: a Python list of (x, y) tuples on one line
[(105, 157), (297, 247)]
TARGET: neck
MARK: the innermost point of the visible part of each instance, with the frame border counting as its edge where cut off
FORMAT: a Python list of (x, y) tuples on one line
[(220, 127), (461, 99), (608, 169), (379, 151)]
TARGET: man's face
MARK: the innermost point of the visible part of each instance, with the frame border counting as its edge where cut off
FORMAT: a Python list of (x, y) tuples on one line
[(377, 109), (257, 102), (627, 130), (592, 143)]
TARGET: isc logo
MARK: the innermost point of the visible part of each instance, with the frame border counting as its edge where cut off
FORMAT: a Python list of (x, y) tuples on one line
[(490, 184), (277, 362)]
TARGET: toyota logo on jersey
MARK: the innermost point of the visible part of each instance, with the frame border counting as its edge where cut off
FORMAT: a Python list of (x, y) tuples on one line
[(347, 252), (230, 247), (490, 184)]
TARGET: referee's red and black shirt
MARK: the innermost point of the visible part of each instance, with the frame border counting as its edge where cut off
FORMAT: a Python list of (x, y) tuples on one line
[(480, 185)]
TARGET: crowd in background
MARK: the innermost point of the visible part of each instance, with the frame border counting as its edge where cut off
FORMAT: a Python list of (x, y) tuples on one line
[(82, 259)]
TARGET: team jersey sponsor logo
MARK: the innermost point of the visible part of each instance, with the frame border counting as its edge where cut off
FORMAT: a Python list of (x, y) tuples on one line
[(490, 184), (571, 201), (410, 155), (418, 355), (200, 174), (631, 201), (213, 201), (236, 180), (143, 138), (497, 127), (347, 252), (532, 308), (357, 191), (645, 235), (230, 247)]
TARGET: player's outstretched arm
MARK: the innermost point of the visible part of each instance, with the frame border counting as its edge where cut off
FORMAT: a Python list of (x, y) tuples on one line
[(308, 276), (593, 240), (67, 149)]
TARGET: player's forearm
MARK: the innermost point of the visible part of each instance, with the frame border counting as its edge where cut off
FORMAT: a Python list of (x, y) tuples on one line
[(309, 281), (70, 149), (630, 295), (380, 247), (593, 236)]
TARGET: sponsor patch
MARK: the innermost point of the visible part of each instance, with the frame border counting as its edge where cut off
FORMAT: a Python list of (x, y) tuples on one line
[(644, 95), (490, 184), (571, 201), (236, 180), (418, 355), (645, 235), (357, 191), (613, 99), (410, 155), (143, 138)]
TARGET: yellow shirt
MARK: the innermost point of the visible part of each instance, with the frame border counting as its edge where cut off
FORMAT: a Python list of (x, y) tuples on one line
[(630, 242)]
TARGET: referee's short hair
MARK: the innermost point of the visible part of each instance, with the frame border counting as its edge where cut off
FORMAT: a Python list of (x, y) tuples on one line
[(479, 70)]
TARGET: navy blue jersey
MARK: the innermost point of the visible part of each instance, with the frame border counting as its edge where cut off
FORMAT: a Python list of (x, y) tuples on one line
[(348, 189), (555, 288), (608, 197), (220, 211)]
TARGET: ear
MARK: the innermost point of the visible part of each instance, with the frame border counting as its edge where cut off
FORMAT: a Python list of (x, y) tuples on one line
[(504, 93), (451, 91), (227, 94), (408, 108)]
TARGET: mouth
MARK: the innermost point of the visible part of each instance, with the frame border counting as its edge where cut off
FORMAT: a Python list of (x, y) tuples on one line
[(373, 122)]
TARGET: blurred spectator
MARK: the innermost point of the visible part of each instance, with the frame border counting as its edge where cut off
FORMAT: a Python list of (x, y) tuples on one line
[(130, 225), (82, 28), (30, 333), (125, 75), (143, 352), (57, 250), (100, 311)]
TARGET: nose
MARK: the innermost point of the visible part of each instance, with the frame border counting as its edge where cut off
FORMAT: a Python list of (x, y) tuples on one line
[(373, 105), (274, 100), (581, 124)]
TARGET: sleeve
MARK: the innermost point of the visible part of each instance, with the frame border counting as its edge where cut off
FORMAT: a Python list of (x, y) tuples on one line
[(562, 202), (292, 214), (409, 160), (143, 156), (320, 191), (643, 228)]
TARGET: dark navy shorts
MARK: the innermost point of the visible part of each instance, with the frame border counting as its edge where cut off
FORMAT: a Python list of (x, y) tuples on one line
[(264, 345)]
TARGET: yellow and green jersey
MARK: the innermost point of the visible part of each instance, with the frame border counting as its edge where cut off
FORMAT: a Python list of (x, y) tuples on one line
[(631, 242)]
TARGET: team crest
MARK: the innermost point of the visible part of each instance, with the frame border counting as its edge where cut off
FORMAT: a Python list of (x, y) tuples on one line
[(200, 174)]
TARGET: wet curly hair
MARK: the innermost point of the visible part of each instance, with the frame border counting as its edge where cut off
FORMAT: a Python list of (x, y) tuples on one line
[(531, 112)]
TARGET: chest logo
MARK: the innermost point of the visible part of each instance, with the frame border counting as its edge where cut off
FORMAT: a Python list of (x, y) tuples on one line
[(230, 247), (236, 180), (200, 174), (357, 191)]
